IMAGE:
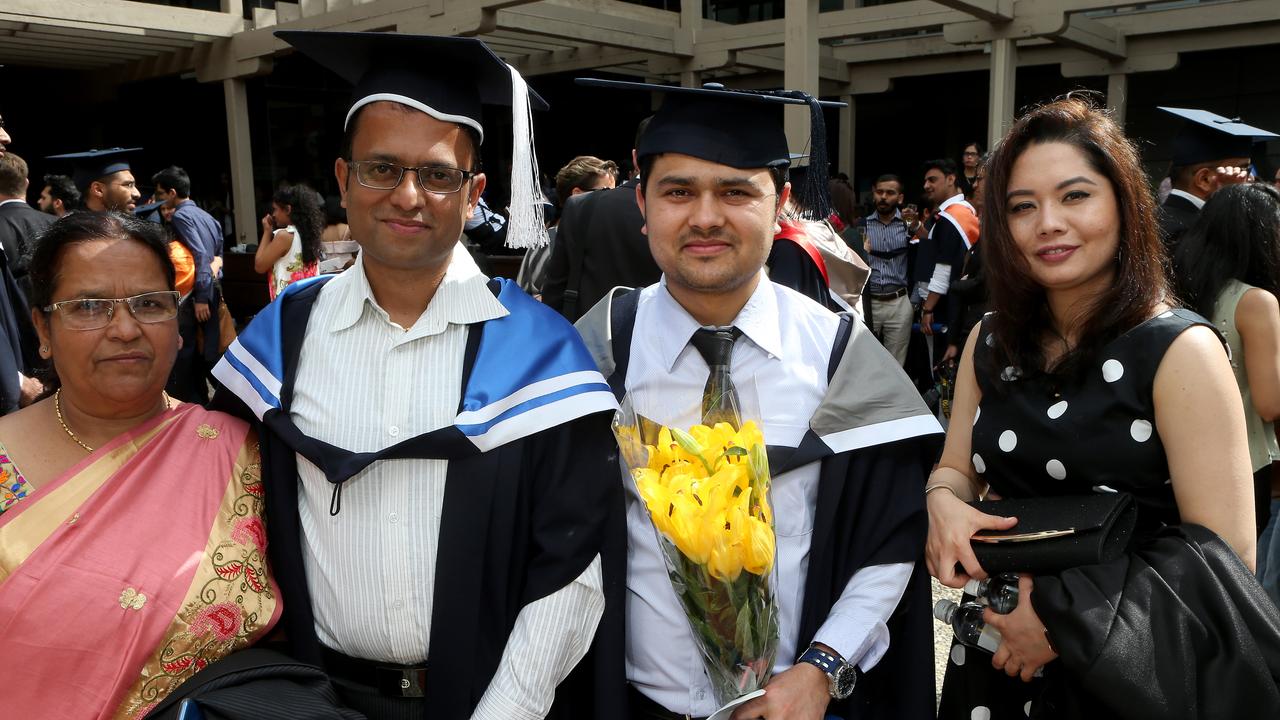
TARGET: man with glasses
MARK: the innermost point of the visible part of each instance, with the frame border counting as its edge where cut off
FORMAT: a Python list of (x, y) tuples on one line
[(104, 178), (436, 444)]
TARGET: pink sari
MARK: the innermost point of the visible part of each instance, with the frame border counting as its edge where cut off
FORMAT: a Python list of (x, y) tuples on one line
[(134, 570)]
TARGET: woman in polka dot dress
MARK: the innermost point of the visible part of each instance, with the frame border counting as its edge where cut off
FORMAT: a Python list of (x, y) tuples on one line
[(1084, 379)]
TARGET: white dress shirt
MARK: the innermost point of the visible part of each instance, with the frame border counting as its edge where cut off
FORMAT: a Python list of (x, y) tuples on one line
[(780, 371), (365, 383), (1188, 197)]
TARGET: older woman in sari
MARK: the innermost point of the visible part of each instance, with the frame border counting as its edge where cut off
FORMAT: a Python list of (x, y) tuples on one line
[(132, 548)]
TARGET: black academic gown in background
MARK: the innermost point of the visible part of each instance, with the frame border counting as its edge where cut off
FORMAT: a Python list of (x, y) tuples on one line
[(20, 224), (518, 523), (870, 511), (17, 339), (599, 234), (1177, 215)]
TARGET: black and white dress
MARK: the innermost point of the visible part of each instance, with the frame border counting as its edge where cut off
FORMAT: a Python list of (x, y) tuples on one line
[(1035, 436)]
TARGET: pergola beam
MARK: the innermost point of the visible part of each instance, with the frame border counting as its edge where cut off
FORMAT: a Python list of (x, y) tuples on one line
[(992, 11), (584, 58), (1092, 36), (113, 14), (587, 27), (832, 25)]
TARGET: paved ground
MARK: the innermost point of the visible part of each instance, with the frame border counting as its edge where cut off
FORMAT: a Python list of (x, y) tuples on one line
[(941, 633)]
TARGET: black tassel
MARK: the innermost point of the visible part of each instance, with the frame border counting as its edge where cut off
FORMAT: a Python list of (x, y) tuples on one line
[(814, 196)]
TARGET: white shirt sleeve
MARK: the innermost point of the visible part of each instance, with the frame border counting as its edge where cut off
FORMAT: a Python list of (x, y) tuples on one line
[(941, 280), (550, 637), (856, 626)]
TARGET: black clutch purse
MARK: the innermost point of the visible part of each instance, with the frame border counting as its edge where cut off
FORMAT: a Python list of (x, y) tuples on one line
[(1056, 533)]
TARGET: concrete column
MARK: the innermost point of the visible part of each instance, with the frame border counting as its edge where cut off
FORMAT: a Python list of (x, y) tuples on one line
[(1118, 95), (1000, 109), (241, 161), (691, 22), (847, 135), (800, 67)]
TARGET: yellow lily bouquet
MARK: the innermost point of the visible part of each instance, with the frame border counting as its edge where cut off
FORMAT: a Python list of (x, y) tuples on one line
[(707, 493)]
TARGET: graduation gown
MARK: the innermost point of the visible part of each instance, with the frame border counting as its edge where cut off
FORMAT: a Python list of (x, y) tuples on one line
[(1177, 215), (876, 442), (529, 454)]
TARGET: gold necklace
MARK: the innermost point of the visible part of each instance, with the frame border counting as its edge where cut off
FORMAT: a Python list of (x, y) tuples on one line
[(57, 408)]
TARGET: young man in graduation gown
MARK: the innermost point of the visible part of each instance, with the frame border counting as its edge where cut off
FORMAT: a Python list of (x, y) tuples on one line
[(850, 441), (436, 444), (104, 178), (1209, 152)]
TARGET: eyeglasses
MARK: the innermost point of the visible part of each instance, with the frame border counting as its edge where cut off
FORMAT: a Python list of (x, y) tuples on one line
[(96, 313), (439, 179)]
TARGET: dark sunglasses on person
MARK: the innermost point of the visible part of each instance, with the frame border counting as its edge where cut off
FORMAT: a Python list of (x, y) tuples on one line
[(96, 313)]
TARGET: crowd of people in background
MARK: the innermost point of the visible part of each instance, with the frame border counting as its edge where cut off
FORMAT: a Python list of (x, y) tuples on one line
[(1071, 334)]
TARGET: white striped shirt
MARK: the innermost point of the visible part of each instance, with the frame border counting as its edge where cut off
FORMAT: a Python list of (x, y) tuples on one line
[(779, 367), (363, 384)]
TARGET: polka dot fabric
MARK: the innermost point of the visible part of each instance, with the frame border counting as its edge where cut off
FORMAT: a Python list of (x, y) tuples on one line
[(1035, 436)]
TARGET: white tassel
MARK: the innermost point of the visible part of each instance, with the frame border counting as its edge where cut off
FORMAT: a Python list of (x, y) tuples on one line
[(526, 227)]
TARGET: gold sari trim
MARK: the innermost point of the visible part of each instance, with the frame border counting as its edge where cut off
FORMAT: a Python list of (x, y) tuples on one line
[(230, 604), (49, 510)]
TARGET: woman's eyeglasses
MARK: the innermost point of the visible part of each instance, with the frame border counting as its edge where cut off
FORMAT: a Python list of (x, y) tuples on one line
[(96, 313)]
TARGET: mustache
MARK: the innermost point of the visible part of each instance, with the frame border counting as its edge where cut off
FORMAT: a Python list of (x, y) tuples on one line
[(713, 234)]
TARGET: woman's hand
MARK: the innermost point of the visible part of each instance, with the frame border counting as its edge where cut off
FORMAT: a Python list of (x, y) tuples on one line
[(267, 225), (951, 523), (1025, 647)]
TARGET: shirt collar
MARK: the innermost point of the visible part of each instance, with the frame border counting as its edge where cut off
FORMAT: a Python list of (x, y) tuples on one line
[(12, 200), (463, 298), (957, 198), (758, 321), (1188, 197)]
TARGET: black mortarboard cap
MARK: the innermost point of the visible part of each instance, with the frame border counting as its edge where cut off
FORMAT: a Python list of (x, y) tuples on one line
[(738, 128), (450, 79), (1206, 136), (95, 164), (143, 211)]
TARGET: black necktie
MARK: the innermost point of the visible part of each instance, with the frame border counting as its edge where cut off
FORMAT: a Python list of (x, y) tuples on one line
[(719, 396)]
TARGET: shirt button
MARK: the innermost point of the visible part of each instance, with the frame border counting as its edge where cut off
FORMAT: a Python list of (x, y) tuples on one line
[(398, 604), (393, 517), (393, 431)]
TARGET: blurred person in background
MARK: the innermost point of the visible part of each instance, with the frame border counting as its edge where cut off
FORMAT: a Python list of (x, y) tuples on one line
[(291, 235)]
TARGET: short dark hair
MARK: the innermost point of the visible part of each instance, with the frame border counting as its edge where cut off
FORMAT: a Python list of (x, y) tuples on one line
[(62, 188), (349, 137), (174, 178), (581, 173), (946, 166), (888, 177), (977, 145), (13, 175), (777, 172)]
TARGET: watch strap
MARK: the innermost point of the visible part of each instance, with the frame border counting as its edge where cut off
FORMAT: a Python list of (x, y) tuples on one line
[(823, 660)]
